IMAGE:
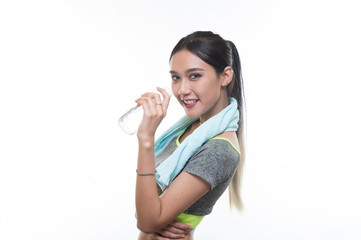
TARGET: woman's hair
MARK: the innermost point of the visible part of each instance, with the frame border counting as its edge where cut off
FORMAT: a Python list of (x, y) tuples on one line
[(220, 53)]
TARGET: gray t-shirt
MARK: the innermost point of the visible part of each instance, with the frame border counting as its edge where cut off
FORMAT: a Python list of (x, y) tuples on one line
[(216, 162)]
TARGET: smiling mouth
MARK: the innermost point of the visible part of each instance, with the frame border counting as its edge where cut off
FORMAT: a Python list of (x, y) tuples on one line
[(189, 102)]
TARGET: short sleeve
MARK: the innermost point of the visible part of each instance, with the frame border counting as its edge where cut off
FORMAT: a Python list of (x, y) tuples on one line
[(215, 162)]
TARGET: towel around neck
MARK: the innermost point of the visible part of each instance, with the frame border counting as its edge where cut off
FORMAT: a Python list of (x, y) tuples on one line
[(226, 120)]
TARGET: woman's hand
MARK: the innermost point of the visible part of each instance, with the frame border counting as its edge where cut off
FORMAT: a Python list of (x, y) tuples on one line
[(174, 230), (155, 110)]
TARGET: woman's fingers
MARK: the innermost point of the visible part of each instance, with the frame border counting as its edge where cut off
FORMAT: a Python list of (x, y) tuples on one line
[(166, 98), (167, 234), (160, 105), (181, 226), (154, 96), (175, 230), (146, 105), (149, 99)]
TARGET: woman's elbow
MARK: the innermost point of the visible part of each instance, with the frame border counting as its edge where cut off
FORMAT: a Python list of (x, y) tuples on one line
[(146, 227)]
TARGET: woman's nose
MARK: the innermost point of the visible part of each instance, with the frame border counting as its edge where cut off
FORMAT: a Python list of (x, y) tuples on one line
[(183, 88)]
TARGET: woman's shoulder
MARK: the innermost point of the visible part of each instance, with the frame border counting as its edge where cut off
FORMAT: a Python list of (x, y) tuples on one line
[(230, 137), (222, 146)]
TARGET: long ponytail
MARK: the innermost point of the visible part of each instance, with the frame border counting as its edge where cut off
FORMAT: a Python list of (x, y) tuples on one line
[(235, 89)]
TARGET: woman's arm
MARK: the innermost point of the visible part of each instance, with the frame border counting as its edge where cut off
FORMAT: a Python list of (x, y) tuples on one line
[(155, 212), (174, 230)]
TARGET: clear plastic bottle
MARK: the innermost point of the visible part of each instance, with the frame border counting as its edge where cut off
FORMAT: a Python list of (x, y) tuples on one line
[(129, 121)]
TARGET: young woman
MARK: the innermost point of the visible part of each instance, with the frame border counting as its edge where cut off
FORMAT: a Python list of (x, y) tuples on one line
[(182, 174)]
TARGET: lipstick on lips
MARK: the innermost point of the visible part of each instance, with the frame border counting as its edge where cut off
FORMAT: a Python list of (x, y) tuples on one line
[(188, 103)]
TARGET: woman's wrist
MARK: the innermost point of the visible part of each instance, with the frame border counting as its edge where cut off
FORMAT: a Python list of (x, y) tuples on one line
[(146, 141)]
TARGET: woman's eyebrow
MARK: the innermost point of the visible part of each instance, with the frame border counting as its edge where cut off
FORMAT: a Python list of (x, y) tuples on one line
[(189, 70)]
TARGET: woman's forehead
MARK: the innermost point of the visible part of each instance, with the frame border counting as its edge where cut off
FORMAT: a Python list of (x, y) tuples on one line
[(185, 60)]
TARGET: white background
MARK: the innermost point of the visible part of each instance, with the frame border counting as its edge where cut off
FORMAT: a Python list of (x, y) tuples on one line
[(68, 69)]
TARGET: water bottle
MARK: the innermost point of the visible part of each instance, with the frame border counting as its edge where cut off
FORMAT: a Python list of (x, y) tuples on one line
[(129, 121)]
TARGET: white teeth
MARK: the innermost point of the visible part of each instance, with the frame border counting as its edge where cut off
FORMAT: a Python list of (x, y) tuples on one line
[(188, 102)]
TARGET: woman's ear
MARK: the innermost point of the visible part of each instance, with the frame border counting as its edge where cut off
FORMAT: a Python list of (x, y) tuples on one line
[(227, 76)]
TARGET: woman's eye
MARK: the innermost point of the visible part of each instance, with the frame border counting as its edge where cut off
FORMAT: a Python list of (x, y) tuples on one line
[(174, 78), (195, 75)]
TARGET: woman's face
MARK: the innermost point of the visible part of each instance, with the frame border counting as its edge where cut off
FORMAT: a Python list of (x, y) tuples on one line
[(196, 86)]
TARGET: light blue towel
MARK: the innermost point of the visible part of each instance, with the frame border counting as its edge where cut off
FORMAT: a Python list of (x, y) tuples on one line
[(226, 120)]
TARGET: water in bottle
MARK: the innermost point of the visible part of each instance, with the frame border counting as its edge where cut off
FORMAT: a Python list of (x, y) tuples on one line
[(129, 122)]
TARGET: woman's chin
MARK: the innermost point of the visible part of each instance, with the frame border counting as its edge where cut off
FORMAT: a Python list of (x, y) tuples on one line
[(193, 116)]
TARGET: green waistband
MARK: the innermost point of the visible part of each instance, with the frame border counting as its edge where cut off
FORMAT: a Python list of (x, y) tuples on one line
[(192, 220)]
